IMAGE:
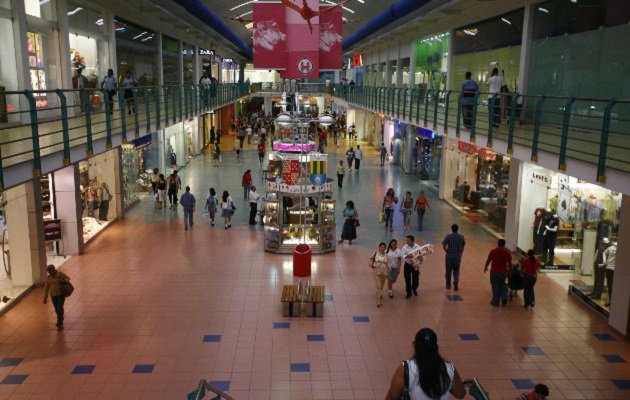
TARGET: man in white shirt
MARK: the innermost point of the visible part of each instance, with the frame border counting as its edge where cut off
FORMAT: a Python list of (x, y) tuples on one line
[(358, 156), (249, 134), (253, 205), (494, 89), (412, 276)]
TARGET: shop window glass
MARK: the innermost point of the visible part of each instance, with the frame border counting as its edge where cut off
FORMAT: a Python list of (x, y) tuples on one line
[(41, 9), (430, 56), (188, 53), (136, 51), (97, 179), (8, 73), (170, 60)]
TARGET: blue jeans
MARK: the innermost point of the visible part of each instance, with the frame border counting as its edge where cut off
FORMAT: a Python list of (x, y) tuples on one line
[(499, 288), (452, 268), (389, 217), (529, 282), (188, 217), (246, 187), (420, 212)]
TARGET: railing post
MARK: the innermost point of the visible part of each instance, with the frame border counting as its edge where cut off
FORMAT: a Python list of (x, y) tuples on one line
[(64, 127), (473, 121), (88, 123), (123, 117), (186, 91), (603, 144), (404, 111), (166, 94), (37, 161), (458, 123), (426, 107), (447, 99), (147, 108), (537, 115), (108, 120), (158, 121), (564, 138), (512, 124), (436, 101), (491, 108), (418, 103), (136, 119)]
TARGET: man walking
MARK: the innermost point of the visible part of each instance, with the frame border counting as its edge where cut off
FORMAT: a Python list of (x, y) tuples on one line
[(341, 171), (247, 183), (358, 156), (412, 275), (453, 245), (500, 261), (54, 281), (188, 203), (469, 89), (253, 205), (383, 152)]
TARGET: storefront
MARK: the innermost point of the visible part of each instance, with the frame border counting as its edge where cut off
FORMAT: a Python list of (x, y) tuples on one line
[(136, 170), (430, 61), (191, 131), (426, 156), (175, 149), (8, 67), (137, 52), (188, 59), (476, 181), (171, 60)]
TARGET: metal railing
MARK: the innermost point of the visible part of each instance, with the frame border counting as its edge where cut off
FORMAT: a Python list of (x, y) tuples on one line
[(593, 130), (475, 390), (277, 88), (56, 121), (204, 387)]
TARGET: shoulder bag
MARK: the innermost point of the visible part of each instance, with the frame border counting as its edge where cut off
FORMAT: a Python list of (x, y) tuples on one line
[(406, 395), (371, 260), (66, 288)]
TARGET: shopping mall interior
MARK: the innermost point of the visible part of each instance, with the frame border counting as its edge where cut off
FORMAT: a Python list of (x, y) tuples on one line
[(291, 122)]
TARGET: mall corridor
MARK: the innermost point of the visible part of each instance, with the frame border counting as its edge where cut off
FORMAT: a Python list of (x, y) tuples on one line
[(157, 308)]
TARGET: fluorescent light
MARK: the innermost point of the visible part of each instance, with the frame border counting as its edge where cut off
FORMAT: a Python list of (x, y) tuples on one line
[(140, 35), (147, 38), (506, 21), (543, 10), (42, 2), (471, 32), (334, 4), (76, 10), (99, 21), (247, 13), (241, 5)]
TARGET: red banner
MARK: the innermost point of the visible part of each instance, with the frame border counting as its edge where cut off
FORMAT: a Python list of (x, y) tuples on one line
[(330, 38), (290, 172), (302, 64), (270, 36)]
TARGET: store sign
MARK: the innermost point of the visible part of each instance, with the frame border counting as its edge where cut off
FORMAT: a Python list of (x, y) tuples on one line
[(204, 52), (427, 133), (52, 229), (540, 177), (141, 142), (228, 60), (297, 189), (467, 148)]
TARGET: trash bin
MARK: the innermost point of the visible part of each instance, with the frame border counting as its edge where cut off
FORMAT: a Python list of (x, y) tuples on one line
[(302, 260)]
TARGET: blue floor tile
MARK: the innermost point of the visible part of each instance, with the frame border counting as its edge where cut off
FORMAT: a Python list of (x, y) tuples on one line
[(300, 367), (360, 318), (281, 325), (614, 358), (13, 379), (328, 298), (10, 362), (622, 384), (604, 337), (211, 338), (315, 338), (533, 351), (143, 368), (468, 336), (223, 385), (454, 297), (523, 384), (83, 369)]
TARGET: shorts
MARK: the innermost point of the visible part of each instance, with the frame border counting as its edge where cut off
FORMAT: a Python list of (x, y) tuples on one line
[(393, 274)]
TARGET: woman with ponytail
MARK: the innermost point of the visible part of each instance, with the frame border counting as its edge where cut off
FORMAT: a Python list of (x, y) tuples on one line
[(430, 377), (530, 273)]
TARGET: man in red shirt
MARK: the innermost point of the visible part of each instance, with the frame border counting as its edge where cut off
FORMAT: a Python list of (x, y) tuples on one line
[(261, 151), (247, 183), (500, 261)]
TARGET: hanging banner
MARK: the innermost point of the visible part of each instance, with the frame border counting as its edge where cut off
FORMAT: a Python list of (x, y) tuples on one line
[(330, 38), (302, 64), (270, 36)]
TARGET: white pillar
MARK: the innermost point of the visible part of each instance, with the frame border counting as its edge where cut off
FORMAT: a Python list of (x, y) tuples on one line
[(69, 208), (412, 65), (160, 65), (444, 170), (268, 105), (513, 204), (449, 64), (620, 302), (399, 71), (111, 33), (526, 46), (18, 15)]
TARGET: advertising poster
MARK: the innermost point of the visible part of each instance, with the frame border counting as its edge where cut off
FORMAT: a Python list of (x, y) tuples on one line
[(270, 36), (330, 38)]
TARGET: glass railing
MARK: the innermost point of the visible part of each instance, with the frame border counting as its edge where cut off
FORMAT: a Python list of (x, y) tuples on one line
[(42, 123), (593, 130)]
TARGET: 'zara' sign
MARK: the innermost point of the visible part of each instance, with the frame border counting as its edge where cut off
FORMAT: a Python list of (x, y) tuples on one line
[(204, 52)]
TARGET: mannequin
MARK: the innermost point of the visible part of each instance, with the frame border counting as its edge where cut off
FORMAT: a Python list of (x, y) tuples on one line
[(92, 199), (553, 203), (105, 196), (610, 255), (600, 269), (539, 214), (549, 238)]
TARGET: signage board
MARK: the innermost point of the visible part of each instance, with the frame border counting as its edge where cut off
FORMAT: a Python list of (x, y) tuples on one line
[(52, 229)]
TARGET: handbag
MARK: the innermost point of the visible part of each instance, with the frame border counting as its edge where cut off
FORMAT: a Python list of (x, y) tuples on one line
[(371, 260), (406, 395), (357, 223), (381, 217), (66, 288)]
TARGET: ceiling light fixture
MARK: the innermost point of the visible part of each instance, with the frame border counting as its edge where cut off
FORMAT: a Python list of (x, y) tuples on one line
[(76, 10), (241, 5), (140, 35), (542, 9), (100, 22), (507, 21)]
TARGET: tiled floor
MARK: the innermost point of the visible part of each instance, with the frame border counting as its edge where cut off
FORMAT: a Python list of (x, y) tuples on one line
[(157, 308)]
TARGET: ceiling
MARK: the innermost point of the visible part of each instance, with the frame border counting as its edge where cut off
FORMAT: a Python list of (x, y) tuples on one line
[(355, 12)]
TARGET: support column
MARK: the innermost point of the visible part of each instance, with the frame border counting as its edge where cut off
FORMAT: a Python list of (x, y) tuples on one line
[(399, 71), (64, 46), (620, 302), (196, 65), (443, 189), (160, 63), (268, 105), (24, 219), (180, 61), (18, 15), (526, 46), (111, 35), (513, 204), (449, 63), (412, 65), (69, 208)]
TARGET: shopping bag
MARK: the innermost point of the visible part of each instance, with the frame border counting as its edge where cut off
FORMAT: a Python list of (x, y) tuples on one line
[(381, 217)]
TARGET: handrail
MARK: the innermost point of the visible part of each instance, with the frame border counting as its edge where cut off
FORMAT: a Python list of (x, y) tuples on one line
[(476, 390), (203, 386)]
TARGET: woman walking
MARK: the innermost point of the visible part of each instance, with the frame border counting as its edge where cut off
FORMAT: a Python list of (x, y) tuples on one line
[(388, 208), (227, 209), (161, 191), (54, 281), (341, 171), (429, 375), (530, 273), (394, 258), (211, 205), (406, 207), (350, 158), (421, 205), (351, 216), (380, 269)]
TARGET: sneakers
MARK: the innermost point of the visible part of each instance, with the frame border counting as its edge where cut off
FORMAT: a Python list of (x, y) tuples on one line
[(212, 223), (448, 286), (455, 287), (391, 294)]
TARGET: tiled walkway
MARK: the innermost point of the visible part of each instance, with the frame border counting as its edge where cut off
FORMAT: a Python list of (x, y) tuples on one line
[(157, 308)]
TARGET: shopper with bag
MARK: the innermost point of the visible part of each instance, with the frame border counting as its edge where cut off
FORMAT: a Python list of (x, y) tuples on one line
[(59, 286), (188, 202), (211, 205), (227, 209), (380, 269), (394, 257), (412, 272), (388, 208)]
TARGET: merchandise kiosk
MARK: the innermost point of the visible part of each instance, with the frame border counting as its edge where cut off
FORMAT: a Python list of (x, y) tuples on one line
[(299, 207)]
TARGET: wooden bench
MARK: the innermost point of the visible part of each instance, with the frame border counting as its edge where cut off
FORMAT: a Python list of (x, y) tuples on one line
[(314, 301), (290, 301)]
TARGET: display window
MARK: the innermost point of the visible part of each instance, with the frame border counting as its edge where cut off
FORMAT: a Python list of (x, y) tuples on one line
[(191, 130), (188, 55), (477, 183), (175, 146), (97, 180), (426, 156), (170, 60), (136, 172), (136, 52), (430, 58)]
